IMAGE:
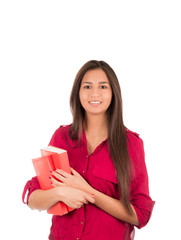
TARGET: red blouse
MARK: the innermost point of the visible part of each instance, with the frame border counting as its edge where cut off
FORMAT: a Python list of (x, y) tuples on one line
[(90, 222)]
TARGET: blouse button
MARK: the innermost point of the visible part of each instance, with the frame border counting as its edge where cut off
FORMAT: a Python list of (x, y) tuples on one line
[(81, 222), (83, 171)]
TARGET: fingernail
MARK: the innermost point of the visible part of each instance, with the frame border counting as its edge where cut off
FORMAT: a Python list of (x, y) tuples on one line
[(50, 177), (93, 195), (51, 171)]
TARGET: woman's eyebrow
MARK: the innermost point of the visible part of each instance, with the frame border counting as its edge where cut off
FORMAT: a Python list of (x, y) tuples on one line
[(103, 82), (99, 82), (87, 82)]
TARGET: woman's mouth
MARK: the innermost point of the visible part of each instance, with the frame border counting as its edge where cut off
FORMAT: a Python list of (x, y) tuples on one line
[(95, 103)]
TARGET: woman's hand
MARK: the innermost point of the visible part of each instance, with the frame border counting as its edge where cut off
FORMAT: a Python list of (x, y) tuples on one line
[(74, 197), (74, 180), (73, 189)]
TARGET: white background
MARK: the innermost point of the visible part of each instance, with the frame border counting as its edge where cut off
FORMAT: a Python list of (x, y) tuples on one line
[(42, 46)]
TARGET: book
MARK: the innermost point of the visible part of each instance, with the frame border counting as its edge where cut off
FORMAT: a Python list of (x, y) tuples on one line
[(52, 158)]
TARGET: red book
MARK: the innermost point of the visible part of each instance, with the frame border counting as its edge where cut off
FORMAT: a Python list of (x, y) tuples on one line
[(52, 158)]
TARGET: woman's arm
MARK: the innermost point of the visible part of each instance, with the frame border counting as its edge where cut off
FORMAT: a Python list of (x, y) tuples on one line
[(114, 207), (44, 199), (110, 205)]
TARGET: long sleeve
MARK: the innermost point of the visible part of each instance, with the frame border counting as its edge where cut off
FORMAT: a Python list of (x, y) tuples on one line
[(30, 187), (140, 197)]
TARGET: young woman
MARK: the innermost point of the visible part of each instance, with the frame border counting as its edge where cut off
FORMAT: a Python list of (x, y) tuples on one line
[(108, 186)]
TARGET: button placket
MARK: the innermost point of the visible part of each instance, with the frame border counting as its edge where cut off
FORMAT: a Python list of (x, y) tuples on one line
[(82, 223), (84, 171)]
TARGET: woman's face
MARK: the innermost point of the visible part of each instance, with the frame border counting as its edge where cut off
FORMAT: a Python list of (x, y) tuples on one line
[(95, 92)]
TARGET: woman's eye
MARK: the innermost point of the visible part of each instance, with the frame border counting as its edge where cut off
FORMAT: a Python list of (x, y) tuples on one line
[(103, 87), (87, 87)]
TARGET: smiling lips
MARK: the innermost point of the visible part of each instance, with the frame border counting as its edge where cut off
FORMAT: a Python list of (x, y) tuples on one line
[(95, 103)]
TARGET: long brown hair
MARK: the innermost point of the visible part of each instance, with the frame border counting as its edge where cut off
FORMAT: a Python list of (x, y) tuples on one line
[(117, 140)]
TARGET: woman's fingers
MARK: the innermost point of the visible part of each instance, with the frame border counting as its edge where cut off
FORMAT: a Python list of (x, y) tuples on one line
[(63, 173), (86, 199), (56, 183), (74, 172), (74, 197), (58, 176), (89, 198)]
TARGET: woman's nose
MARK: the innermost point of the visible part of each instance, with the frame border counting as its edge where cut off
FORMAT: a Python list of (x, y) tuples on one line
[(95, 92)]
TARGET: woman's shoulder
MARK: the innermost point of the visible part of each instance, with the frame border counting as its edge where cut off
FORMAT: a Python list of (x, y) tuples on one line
[(135, 149), (134, 139), (132, 135), (63, 128), (60, 135)]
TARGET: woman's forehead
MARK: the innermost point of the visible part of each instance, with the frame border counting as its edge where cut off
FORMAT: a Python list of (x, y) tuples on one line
[(95, 75)]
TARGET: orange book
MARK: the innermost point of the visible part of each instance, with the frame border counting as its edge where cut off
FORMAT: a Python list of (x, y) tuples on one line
[(52, 158)]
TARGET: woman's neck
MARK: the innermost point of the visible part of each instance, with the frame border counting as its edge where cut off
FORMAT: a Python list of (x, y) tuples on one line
[(96, 125)]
